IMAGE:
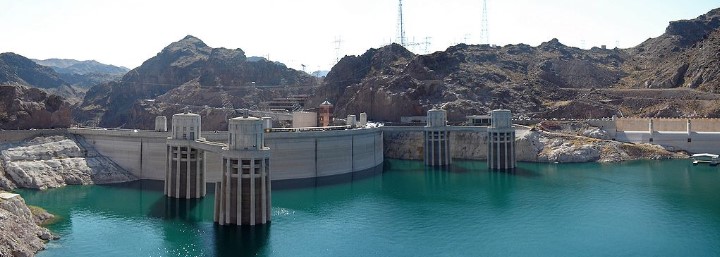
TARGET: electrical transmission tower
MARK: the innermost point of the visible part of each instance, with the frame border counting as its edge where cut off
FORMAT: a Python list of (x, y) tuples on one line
[(400, 28), (484, 37), (338, 42)]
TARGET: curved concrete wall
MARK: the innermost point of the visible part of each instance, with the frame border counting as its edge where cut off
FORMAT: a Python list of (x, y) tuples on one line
[(320, 154), (142, 153), (294, 155)]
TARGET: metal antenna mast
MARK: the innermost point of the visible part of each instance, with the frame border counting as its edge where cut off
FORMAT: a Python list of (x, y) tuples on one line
[(484, 37), (400, 28)]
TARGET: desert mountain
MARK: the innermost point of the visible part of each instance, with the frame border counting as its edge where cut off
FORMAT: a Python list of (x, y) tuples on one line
[(19, 70), (81, 67), (190, 74), (15, 68), (675, 74), (84, 74)]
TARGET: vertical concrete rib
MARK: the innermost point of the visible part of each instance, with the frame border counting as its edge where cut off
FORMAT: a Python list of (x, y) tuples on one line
[(263, 190), (167, 169), (252, 192), (227, 179), (238, 199), (187, 173), (177, 173)]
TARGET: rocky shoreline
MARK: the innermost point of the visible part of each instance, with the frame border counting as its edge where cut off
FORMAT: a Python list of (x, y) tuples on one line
[(20, 230), (556, 147), (534, 145), (56, 161), (42, 163)]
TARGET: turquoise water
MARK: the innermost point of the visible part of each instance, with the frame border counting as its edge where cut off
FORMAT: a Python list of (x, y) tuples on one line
[(643, 208)]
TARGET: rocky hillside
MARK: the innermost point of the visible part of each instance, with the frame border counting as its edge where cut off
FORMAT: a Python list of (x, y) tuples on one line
[(188, 73), (84, 74), (15, 68), (675, 74), (26, 95), (22, 107), (18, 70)]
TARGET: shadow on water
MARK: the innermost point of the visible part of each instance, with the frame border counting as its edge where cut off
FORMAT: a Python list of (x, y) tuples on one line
[(240, 240), (144, 185), (327, 180), (165, 207), (173, 208), (500, 186)]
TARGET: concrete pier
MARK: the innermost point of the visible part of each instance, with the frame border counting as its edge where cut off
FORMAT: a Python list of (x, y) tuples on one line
[(437, 139), (185, 167), (501, 141), (243, 195)]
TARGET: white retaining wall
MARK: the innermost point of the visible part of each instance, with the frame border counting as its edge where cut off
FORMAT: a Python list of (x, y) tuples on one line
[(700, 142)]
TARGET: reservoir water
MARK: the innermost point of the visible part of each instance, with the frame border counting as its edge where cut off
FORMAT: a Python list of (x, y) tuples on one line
[(641, 208)]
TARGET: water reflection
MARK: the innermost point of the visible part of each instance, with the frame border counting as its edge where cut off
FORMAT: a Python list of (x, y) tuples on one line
[(500, 186), (436, 177), (183, 209), (240, 241)]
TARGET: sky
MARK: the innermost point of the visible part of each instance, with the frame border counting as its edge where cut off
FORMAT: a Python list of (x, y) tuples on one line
[(315, 33)]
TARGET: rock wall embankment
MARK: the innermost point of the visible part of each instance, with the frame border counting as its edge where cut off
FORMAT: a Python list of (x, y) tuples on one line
[(56, 161), (20, 233), (531, 146)]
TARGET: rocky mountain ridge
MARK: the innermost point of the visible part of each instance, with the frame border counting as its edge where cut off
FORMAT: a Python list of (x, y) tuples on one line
[(69, 66), (15, 68), (82, 75), (188, 73), (68, 78), (675, 74)]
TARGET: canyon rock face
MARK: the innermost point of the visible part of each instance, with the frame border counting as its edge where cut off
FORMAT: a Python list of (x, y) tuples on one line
[(20, 233), (56, 161), (403, 145), (23, 107)]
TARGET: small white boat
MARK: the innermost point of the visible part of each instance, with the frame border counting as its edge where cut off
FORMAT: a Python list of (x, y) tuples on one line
[(712, 159)]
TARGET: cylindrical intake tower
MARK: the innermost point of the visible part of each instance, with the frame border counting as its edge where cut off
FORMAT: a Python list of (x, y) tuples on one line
[(501, 141), (437, 139), (185, 168), (243, 195)]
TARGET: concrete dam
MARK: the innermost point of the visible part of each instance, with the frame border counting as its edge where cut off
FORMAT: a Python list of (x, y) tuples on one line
[(303, 158)]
